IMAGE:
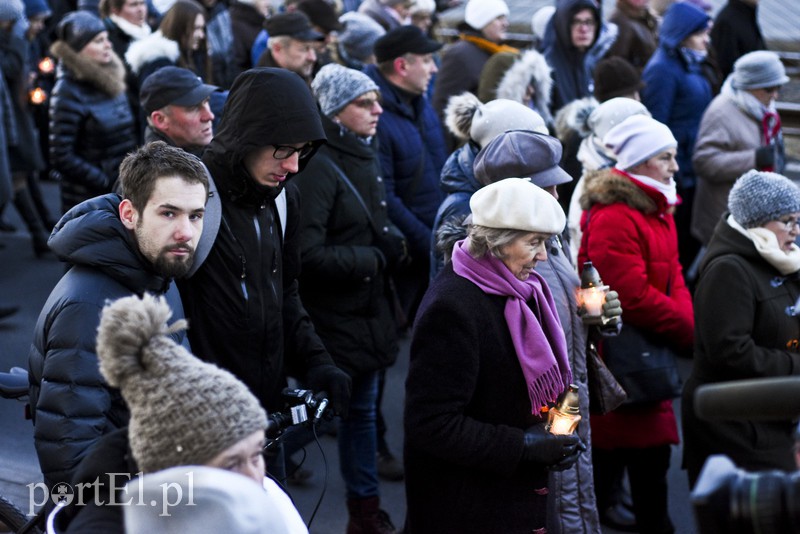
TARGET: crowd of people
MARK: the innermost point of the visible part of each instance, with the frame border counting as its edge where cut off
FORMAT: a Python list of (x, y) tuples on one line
[(309, 182)]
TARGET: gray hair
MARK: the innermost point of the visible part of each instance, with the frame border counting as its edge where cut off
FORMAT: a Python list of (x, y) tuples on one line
[(483, 239)]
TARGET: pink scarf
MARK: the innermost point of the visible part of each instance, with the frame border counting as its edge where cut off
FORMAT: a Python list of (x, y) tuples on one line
[(539, 341)]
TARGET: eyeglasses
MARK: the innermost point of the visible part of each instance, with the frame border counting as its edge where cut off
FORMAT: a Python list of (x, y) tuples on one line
[(589, 23), (286, 151), (790, 224), (366, 103)]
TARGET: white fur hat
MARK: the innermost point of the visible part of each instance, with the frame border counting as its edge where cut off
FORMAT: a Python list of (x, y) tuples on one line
[(517, 204), (637, 139), (479, 13)]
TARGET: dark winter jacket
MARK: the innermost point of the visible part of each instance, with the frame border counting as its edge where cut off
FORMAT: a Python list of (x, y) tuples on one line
[(243, 301), (412, 154), (572, 69), (73, 406), (343, 284), (246, 23), (742, 331), (735, 33), (637, 36), (466, 410), (91, 125), (630, 237), (462, 63), (677, 91)]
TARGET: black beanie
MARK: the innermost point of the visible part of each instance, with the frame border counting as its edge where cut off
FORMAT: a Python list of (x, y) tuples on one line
[(613, 77), (78, 28)]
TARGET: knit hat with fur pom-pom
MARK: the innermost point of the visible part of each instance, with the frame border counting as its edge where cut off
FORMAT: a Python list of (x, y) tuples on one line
[(183, 411)]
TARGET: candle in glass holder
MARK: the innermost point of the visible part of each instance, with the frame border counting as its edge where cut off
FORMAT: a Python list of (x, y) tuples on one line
[(563, 418)]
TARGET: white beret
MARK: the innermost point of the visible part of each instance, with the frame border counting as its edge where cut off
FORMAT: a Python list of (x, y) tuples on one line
[(517, 204)]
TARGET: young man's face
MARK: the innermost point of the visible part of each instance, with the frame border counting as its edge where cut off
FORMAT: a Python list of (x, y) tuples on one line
[(417, 71), (169, 227), (268, 170), (583, 29), (186, 126)]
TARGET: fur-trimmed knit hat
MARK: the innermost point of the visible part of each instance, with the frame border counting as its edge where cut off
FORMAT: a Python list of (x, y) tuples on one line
[(183, 411), (467, 118), (78, 28), (759, 197), (335, 86), (479, 13), (637, 139)]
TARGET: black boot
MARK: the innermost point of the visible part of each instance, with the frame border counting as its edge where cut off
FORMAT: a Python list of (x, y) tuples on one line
[(27, 210), (366, 517)]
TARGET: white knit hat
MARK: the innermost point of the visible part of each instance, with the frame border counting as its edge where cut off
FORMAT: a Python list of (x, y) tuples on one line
[(637, 139), (479, 13), (501, 115), (517, 204)]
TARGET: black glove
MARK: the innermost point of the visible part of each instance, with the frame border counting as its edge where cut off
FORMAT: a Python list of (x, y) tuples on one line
[(550, 450), (335, 382), (393, 249), (765, 157)]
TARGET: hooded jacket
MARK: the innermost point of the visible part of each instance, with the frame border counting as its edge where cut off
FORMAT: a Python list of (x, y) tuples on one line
[(243, 301), (72, 404), (629, 234), (92, 127), (572, 69), (412, 154), (743, 331), (677, 91)]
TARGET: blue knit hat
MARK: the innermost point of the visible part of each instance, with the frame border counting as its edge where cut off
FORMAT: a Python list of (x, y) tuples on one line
[(10, 10), (759, 197), (36, 8)]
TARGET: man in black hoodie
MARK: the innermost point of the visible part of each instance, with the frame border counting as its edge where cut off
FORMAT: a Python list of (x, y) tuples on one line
[(243, 301)]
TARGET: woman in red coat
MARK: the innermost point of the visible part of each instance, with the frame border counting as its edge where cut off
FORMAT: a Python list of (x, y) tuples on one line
[(629, 235)]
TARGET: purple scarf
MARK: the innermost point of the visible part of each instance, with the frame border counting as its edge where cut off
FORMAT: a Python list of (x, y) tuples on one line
[(539, 342)]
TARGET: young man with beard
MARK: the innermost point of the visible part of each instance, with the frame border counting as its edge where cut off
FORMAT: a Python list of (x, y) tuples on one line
[(124, 245)]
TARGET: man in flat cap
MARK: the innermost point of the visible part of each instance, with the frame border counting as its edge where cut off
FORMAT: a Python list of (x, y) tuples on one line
[(412, 149), (176, 104), (292, 45)]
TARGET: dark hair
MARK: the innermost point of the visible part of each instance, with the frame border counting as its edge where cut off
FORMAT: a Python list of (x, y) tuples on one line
[(139, 171), (178, 25), (108, 7)]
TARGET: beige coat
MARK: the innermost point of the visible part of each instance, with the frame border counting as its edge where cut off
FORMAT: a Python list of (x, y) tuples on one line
[(725, 149)]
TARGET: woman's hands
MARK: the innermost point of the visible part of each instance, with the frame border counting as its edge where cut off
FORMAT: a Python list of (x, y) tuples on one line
[(555, 452)]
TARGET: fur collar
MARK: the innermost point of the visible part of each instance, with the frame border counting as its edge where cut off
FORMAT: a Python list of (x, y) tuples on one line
[(608, 186), (530, 68), (151, 48), (110, 78)]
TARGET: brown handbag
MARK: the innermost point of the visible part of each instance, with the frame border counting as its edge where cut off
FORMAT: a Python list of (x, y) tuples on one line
[(605, 393)]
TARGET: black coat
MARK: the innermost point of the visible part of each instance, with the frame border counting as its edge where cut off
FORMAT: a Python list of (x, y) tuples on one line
[(742, 331), (343, 284), (243, 302), (73, 405), (467, 408), (91, 126), (735, 33)]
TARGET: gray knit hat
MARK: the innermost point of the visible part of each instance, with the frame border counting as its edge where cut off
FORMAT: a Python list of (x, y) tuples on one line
[(758, 70), (357, 41), (183, 411), (759, 197), (11, 10), (335, 86)]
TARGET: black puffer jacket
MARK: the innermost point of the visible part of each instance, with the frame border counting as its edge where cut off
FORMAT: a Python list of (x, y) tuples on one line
[(243, 301), (73, 406), (91, 125), (343, 284)]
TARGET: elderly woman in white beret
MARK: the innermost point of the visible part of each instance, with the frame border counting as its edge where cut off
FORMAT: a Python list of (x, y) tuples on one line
[(488, 353), (629, 234)]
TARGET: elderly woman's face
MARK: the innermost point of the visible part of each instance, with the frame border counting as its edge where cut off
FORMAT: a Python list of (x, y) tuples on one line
[(661, 167), (522, 254), (786, 230)]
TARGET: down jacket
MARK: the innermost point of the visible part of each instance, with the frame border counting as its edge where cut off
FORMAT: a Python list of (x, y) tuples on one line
[(72, 404), (92, 127), (743, 331), (629, 234)]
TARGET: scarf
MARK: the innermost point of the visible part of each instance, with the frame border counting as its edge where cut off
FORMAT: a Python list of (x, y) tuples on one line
[(592, 154), (136, 32), (538, 341), (767, 246), (668, 190), (486, 45)]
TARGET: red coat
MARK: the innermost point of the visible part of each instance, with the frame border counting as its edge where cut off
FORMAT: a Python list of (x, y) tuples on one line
[(630, 237)]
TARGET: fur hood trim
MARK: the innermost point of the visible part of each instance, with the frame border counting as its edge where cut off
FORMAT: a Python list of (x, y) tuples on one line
[(607, 187), (571, 112), (530, 68), (108, 78), (459, 112), (153, 47)]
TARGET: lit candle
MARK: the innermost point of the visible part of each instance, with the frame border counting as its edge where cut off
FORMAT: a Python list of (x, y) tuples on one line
[(593, 299)]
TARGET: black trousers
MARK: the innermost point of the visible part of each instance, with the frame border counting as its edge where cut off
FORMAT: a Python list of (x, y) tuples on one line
[(647, 474)]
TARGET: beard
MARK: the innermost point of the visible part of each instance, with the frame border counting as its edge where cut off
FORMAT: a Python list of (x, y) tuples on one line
[(175, 267)]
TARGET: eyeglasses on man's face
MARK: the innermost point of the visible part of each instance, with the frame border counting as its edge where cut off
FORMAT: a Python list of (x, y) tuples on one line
[(287, 151)]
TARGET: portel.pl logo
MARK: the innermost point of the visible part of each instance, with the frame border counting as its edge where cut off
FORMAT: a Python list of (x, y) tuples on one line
[(172, 494)]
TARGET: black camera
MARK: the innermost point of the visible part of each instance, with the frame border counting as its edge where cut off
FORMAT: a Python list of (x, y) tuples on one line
[(304, 406)]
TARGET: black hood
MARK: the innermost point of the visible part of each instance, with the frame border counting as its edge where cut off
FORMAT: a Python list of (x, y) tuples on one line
[(265, 106)]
